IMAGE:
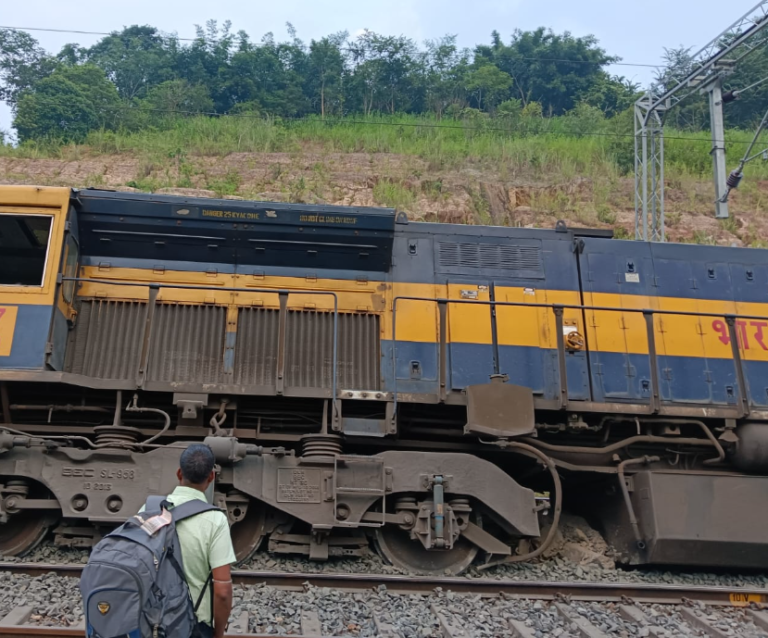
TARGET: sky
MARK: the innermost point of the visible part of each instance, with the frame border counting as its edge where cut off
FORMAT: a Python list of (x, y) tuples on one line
[(636, 31)]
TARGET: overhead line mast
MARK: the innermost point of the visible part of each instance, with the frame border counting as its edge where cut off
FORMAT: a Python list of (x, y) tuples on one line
[(710, 65)]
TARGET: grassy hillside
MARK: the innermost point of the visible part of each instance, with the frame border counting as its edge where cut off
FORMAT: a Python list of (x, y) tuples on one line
[(526, 172)]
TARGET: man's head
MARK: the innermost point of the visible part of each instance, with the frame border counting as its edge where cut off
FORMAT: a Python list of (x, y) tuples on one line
[(196, 467)]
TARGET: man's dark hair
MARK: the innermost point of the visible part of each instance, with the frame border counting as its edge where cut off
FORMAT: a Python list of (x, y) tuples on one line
[(196, 463)]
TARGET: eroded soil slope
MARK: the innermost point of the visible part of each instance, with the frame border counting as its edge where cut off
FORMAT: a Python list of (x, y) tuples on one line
[(473, 193)]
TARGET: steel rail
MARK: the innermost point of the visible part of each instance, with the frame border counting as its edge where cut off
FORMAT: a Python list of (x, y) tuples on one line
[(540, 590)]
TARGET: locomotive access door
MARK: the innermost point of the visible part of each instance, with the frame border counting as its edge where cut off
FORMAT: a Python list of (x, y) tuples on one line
[(472, 342), (527, 338), (696, 367), (618, 274)]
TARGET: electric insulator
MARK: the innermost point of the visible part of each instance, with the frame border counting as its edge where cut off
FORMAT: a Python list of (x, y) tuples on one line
[(730, 96), (734, 179)]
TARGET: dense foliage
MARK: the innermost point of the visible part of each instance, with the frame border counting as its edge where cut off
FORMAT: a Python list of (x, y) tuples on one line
[(128, 76), (131, 80)]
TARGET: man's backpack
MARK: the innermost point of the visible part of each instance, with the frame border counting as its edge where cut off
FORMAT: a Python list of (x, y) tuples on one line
[(134, 584)]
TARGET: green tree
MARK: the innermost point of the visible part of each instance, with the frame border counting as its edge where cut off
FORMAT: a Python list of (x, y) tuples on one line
[(612, 94), (445, 69), (208, 61), (270, 75), (489, 85), (135, 59), (557, 70), (179, 95), (22, 64), (382, 76), (67, 105), (326, 70)]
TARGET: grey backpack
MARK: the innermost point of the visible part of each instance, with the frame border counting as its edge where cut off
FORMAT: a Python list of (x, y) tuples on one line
[(133, 585)]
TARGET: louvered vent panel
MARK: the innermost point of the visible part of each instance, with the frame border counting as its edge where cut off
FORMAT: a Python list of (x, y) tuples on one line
[(493, 256), (188, 344), (522, 260), (106, 340), (309, 350), (256, 350)]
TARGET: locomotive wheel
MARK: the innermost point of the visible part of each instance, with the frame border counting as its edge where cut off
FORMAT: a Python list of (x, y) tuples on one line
[(22, 533), (397, 548), (248, 533)]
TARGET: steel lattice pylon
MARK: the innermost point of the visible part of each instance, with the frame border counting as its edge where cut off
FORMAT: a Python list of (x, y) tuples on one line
[(710, 65), (649, 172)]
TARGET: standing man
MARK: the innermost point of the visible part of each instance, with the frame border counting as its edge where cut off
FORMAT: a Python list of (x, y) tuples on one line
[(206, 546)]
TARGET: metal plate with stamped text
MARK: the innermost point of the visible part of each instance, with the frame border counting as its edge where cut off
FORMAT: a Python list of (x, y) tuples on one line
[(298, 485)]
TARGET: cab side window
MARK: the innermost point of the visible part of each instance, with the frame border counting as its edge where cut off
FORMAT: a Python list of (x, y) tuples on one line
[(24, 241)]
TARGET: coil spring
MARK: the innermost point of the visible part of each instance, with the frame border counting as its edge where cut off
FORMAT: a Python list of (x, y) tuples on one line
[(16, 486), (406, 503), (116, 436), (321, 445)]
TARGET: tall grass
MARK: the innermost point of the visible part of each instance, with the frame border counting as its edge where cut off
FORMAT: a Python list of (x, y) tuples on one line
[(565, 146)]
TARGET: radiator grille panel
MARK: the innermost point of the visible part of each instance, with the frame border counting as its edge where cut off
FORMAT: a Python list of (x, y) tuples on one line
[(188, 344), (106, 340), (256, 350), (309, 350)]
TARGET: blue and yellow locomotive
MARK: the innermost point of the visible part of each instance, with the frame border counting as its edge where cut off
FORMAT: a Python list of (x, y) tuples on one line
[(361, 376)]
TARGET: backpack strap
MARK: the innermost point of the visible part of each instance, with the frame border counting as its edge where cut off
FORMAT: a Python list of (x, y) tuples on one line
[(192, 508), (155, 503), (180, 513), (207, 585), (188, 510)]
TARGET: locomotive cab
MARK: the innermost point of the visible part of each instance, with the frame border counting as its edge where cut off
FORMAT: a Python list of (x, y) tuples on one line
[(37, 249)]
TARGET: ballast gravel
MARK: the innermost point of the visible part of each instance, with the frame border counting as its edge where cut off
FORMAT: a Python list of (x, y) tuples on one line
[(555, 568), (55, 601), (730, 621)]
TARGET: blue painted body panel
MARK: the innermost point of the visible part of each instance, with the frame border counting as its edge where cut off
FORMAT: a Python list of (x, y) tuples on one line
[(682, 379), (30, 336), (472, 364)]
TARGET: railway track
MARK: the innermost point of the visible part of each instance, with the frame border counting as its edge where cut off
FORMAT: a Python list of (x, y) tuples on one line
[(717, 612), (538, 590)]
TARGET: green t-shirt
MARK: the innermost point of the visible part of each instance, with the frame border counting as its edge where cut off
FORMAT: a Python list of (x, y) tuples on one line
[(205, 545)]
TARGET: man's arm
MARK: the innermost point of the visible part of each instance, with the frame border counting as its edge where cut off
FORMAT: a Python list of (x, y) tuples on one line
[(222, 600), (221, 555)]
